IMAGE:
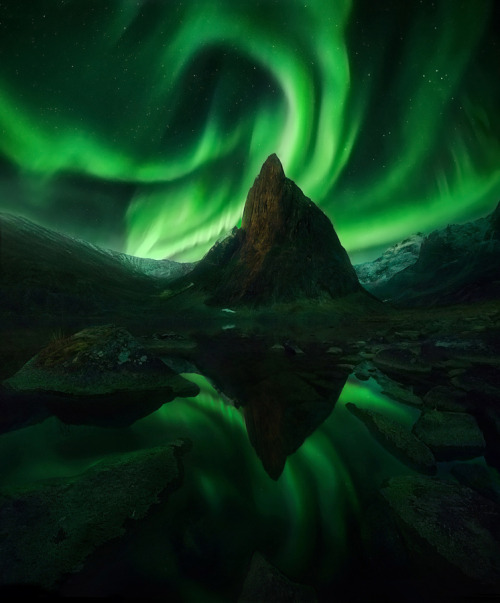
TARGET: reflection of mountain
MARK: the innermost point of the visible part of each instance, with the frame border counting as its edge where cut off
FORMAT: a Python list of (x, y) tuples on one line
[(459, 263), (285, 395)]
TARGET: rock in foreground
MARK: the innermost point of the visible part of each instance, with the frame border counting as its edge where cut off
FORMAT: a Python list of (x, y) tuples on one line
[(400, 442), (99, 375), (450, 435), (49, 529), (265, 583), (95, 361), (447, 525)]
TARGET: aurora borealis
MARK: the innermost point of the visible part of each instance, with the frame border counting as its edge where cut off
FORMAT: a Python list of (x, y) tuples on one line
[(302, 516), (140, 125)]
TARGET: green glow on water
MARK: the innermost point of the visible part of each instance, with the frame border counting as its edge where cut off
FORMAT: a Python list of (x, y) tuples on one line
[(368, 395), (388, 120), (301, 521)]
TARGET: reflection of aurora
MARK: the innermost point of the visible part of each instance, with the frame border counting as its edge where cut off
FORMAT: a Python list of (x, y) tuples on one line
[(386, 117), (306, 510)]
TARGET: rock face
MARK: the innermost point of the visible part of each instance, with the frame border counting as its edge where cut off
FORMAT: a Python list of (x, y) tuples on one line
[(396, 439), (446, 523), (450, 435), (374, 275), (49, 529), (286, 249), (459, 263), (266, 583), (100, 375)]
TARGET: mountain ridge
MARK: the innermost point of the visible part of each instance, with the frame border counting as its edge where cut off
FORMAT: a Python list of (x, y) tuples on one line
[(285, 250), (455, 264)]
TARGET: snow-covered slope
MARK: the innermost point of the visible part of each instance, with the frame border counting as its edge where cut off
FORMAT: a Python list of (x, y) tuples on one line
[(393, 260), (162, 269), (45, 274), (458, 263)]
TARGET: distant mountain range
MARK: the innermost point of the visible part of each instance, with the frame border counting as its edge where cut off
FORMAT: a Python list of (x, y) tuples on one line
[(286, 250), (45, 273), (459, 263)]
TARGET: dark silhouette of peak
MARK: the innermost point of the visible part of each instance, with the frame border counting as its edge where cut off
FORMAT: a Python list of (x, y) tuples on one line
[(285, 250)]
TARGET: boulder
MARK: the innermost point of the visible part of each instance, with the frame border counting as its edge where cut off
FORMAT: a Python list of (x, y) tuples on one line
[(100, 374), (450, 435), (399, 360), (266, 583), (447, 398), (49, 528), (446, 525), (397, 440)]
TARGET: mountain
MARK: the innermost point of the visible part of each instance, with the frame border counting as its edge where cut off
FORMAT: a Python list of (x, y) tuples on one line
[(373, 275), (456, 264), (45, 272), (285, 250)]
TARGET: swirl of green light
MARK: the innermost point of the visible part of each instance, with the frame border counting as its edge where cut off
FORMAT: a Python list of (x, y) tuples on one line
[(108, 100)]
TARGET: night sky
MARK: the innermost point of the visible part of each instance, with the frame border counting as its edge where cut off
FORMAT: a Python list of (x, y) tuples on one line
[(140, 125)]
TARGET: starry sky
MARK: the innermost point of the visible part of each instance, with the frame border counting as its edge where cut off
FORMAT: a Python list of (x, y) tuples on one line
[(141, 124)]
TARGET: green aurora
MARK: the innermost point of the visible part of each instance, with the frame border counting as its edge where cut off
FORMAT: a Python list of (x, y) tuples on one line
[(306, 510), (140, 125)]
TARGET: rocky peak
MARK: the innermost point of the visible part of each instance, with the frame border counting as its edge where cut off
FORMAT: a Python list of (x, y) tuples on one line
[(286, 249), (495, 223), (266, 193), (268, 205)]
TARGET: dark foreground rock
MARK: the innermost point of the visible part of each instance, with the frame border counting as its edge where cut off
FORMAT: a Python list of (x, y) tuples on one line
[(49, 528), (479, 478), (400, 360), (95, 361), (391, 388), (400, 442), (446, 526), (98, 375), (447, 398), (266, 583), (450, 435)]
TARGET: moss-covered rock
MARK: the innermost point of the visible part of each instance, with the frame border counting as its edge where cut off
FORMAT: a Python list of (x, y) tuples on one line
[(400, 442), (101, 375), (264, 582), (400, 360), (446, 525), (49, 528), (450, 435), (97, 360)]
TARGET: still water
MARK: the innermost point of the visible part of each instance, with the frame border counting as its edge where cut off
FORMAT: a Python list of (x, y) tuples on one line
[(197, 545)]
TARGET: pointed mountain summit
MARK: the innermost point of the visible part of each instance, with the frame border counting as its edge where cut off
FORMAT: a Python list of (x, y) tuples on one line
[(285, 250)]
